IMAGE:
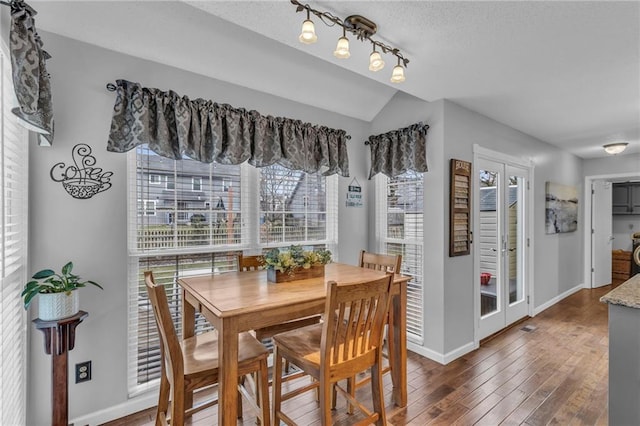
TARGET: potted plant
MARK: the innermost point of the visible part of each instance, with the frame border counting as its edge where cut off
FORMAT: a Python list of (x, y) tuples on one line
[(58, 298), (295, 264)]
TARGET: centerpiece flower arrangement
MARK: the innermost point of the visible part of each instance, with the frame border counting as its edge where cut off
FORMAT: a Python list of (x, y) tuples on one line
[(295, 263)]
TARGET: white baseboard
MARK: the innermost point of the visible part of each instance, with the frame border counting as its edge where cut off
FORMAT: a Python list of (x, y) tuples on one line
[(457, 353), (117, 411), (558, 298), (439, 357)]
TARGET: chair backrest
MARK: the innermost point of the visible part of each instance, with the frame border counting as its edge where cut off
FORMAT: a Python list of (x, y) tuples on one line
[(380, 262), (354, 319), (248, 263), (169, 343)]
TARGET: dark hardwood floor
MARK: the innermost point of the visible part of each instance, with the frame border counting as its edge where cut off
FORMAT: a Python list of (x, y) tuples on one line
[(555, 374)]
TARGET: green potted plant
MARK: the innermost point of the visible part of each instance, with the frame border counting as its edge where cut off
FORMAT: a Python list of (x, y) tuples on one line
[(58, 298)]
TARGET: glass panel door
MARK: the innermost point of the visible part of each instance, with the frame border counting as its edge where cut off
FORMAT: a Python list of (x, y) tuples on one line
[(501, 217)]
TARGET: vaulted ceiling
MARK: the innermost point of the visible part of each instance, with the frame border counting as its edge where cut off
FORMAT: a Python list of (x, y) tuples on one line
[(567, 73)]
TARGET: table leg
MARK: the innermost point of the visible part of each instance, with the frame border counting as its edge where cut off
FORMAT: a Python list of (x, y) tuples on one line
[(399, 336), (228, 374), (60, 406)]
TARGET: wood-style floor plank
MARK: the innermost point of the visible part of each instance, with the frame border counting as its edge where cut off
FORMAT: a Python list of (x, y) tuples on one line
[(556, 374)]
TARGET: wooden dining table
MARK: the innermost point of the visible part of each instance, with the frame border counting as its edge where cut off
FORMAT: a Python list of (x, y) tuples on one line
[(234, 302)]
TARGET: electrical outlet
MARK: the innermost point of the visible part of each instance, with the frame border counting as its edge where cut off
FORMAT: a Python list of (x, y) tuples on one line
[(83, 372)]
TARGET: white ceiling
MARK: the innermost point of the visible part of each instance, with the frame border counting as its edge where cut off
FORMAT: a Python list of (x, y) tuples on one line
[(567, 73)]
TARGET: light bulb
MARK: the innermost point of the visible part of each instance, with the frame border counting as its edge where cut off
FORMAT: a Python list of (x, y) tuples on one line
[(375, 61), (397, 76), (342, 48), (308, 33)]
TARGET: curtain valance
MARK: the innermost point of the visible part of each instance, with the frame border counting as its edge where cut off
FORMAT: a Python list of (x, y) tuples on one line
[(205, 131), (399, 151), (29, 72)]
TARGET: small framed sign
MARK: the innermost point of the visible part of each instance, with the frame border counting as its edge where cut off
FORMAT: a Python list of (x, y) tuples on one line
[(354, 194)]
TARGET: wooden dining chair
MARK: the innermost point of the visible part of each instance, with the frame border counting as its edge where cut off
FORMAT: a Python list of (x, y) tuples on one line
[(390, 264), (192, 364), (347, 342), (248, 263)]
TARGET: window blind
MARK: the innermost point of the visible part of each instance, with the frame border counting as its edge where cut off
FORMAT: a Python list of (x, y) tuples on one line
[(13, 199), (399, 230), (190, 218)]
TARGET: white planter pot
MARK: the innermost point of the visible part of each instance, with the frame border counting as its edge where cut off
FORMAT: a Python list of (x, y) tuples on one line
[(54, 306)]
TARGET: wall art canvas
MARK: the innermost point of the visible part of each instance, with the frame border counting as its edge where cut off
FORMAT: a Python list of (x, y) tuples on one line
[(561, 208)]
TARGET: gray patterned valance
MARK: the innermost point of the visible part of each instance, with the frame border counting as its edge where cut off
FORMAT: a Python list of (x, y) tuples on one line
[(399, 151), (29, 72), (175, 126)]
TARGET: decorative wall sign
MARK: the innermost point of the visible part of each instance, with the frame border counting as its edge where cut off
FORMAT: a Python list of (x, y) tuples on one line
[(81, 180), (561, 208), (460, 208), (354, 194)]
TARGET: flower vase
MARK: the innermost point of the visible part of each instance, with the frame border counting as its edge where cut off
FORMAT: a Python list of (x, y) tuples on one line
[(315, 271)]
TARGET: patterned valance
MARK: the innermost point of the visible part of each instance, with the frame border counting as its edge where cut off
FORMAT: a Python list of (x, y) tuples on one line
[(399, 151), (205, 131), (29, 72)]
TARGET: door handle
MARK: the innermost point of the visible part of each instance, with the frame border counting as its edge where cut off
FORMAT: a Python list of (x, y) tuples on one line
[(513, 249)]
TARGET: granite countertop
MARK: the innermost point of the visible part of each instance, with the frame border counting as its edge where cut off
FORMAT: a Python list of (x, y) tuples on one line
[(626, 294)]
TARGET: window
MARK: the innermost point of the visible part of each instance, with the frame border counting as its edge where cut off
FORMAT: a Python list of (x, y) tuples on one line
[(236, 208), (13, 253), (171, 182), (146, 208), (399, 221), (154, 179), (196, 184)]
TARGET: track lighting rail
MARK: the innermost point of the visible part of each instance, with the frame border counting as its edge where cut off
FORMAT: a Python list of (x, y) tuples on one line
[(357, 25)]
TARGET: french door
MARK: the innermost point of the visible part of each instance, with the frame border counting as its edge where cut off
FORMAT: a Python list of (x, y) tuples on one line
[(501, 241)]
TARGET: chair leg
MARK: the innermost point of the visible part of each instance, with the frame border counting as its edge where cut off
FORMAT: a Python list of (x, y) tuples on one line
[(163, 397), (262, 389), (277, 386), (177, 403), (325, 401), (351, 390), (377, 392)]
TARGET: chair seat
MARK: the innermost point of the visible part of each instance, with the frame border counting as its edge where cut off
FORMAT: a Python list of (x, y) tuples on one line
[(200, 352), (304, 342)]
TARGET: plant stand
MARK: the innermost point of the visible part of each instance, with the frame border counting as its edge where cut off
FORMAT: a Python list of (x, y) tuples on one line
[(59, 339)]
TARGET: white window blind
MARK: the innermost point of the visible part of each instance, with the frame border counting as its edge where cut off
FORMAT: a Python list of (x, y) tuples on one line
[(399, 230), (204, 215), (13, 199)]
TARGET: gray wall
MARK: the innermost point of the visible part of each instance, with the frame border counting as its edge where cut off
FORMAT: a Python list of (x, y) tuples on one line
[(93, 232), (449, 321), (552, 253)]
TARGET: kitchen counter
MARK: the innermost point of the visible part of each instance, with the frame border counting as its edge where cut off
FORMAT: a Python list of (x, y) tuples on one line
[(626, 294), (624, 352)]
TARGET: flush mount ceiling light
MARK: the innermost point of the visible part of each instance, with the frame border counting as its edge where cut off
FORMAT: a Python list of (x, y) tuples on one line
[(615, 148), (359, 26)]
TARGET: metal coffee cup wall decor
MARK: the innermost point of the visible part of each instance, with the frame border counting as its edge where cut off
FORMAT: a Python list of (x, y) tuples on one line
[(81, 179)]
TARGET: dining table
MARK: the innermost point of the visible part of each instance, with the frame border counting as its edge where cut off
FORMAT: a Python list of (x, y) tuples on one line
[(234, 302)]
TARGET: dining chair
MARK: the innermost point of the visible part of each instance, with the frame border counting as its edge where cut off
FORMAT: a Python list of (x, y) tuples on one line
[(248, 263), (347, 342), (192, 364), (390, 264)]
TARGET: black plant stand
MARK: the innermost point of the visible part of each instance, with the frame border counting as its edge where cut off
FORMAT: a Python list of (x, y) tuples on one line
[(59, 339)]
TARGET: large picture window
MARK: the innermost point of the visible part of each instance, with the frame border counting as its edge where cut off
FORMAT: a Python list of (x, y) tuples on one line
[(14, 185), (399, 225), (204, 216)]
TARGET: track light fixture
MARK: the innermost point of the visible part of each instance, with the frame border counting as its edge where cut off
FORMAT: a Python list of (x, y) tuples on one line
[(308, 33), (359, 26)]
